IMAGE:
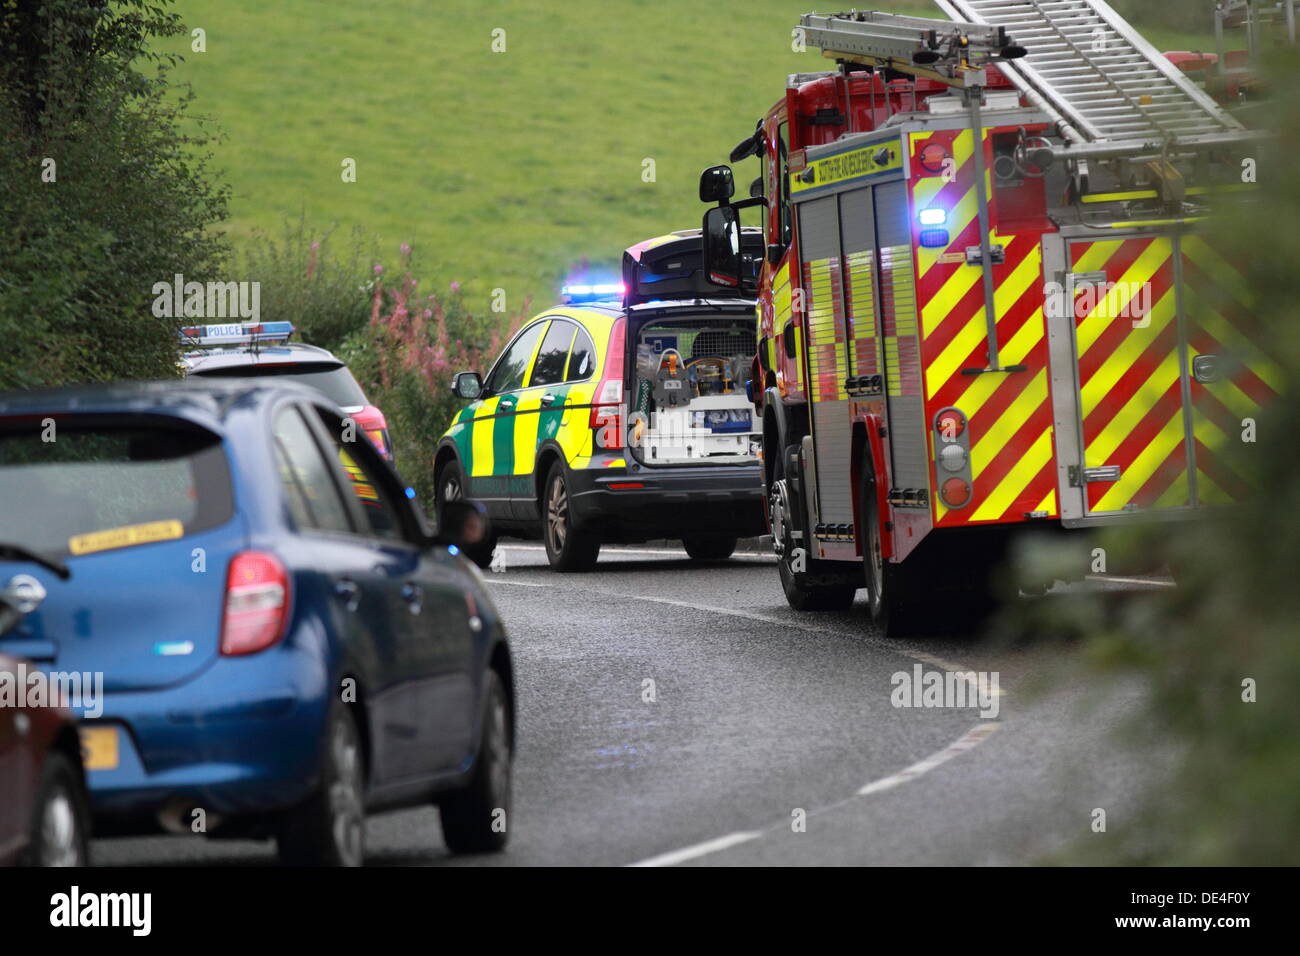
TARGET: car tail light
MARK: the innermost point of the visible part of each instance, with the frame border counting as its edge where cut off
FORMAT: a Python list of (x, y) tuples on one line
[(371, 420), (606, 417), (606, 421), (257, 603)]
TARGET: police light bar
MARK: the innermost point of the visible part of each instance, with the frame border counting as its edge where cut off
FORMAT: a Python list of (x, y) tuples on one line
[(592, 293), (235, 334)]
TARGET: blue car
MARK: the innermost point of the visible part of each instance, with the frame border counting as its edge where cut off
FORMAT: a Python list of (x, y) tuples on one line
[(281, 643)]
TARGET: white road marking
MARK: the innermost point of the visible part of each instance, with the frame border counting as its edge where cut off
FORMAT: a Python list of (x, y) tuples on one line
[(661, 552), (518, 584), (698, 850), (967, 674), (968, 741), (1145, 582)]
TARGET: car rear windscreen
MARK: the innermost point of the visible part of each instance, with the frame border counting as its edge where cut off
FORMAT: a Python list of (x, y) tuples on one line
[(335, 382), (76, 488)]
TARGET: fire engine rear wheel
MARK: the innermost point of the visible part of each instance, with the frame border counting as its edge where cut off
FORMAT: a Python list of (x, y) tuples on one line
[(797, 569), (709, 549), (892, 592), (568, 548)]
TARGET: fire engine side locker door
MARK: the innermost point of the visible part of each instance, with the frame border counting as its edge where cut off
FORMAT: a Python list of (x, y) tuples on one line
[(1126, 376), (900, 330), (827, 349)]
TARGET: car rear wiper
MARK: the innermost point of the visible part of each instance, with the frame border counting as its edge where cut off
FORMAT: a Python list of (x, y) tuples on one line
[(16, 552)]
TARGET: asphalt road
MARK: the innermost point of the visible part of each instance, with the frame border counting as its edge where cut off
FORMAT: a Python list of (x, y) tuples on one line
[(758, 713)]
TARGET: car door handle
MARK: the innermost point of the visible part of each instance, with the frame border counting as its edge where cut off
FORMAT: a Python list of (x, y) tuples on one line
[(413, 595), (506, 405), (350, 594), (548, 399)]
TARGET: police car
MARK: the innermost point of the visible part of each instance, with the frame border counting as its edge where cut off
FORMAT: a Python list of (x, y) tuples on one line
[(262, 350), (621, 416)]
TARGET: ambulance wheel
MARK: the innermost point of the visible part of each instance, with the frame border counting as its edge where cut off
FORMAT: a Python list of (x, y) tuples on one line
[(450, 486), (796, 568), (891, 588), (709, 549), (568, 548)]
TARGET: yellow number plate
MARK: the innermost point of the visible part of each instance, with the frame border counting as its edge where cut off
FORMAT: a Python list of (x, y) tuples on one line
[(99, 747)]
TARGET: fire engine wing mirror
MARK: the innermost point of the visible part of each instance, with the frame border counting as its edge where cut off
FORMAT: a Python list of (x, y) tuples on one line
[(749, 146), (716, 184), (722, 259)]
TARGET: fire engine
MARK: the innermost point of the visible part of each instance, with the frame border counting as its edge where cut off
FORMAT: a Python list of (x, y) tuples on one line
[(991, 299)]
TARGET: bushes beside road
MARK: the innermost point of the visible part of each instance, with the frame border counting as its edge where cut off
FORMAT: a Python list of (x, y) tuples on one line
[(104, 190), (403, 343), (1220, 652), (406, 354)]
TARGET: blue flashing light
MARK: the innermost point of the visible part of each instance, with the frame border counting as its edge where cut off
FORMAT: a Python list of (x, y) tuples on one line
[(236, 333), (452, 549), (933, 238), (410, 493), (587, 292)]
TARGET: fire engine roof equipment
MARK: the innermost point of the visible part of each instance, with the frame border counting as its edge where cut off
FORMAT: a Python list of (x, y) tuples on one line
[(1111, 93), (1108, 91)]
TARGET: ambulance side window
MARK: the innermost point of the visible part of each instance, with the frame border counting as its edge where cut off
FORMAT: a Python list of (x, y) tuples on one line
[(582, 360), (554, 355), (509, 373)]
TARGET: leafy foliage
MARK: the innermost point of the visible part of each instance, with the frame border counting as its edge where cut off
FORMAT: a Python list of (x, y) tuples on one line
[(1229, 629), (104, 191)]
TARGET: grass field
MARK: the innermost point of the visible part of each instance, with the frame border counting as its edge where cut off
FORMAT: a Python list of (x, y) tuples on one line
[(501, 169)]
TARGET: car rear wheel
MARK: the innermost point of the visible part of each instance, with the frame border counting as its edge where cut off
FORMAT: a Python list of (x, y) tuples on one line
[(330, 829), (568, 548), (709, 548), (60, 821), (475, 820)]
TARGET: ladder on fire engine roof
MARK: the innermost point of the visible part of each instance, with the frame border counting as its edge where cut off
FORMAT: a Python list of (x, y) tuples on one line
[(1109, 91)]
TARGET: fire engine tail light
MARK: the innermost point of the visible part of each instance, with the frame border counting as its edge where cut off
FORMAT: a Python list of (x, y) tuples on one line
[(950, 424), (933, 156), (952, 456), (955, 492)]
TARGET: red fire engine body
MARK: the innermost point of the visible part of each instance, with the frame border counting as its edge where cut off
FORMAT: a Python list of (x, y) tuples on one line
[(974, 320)]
